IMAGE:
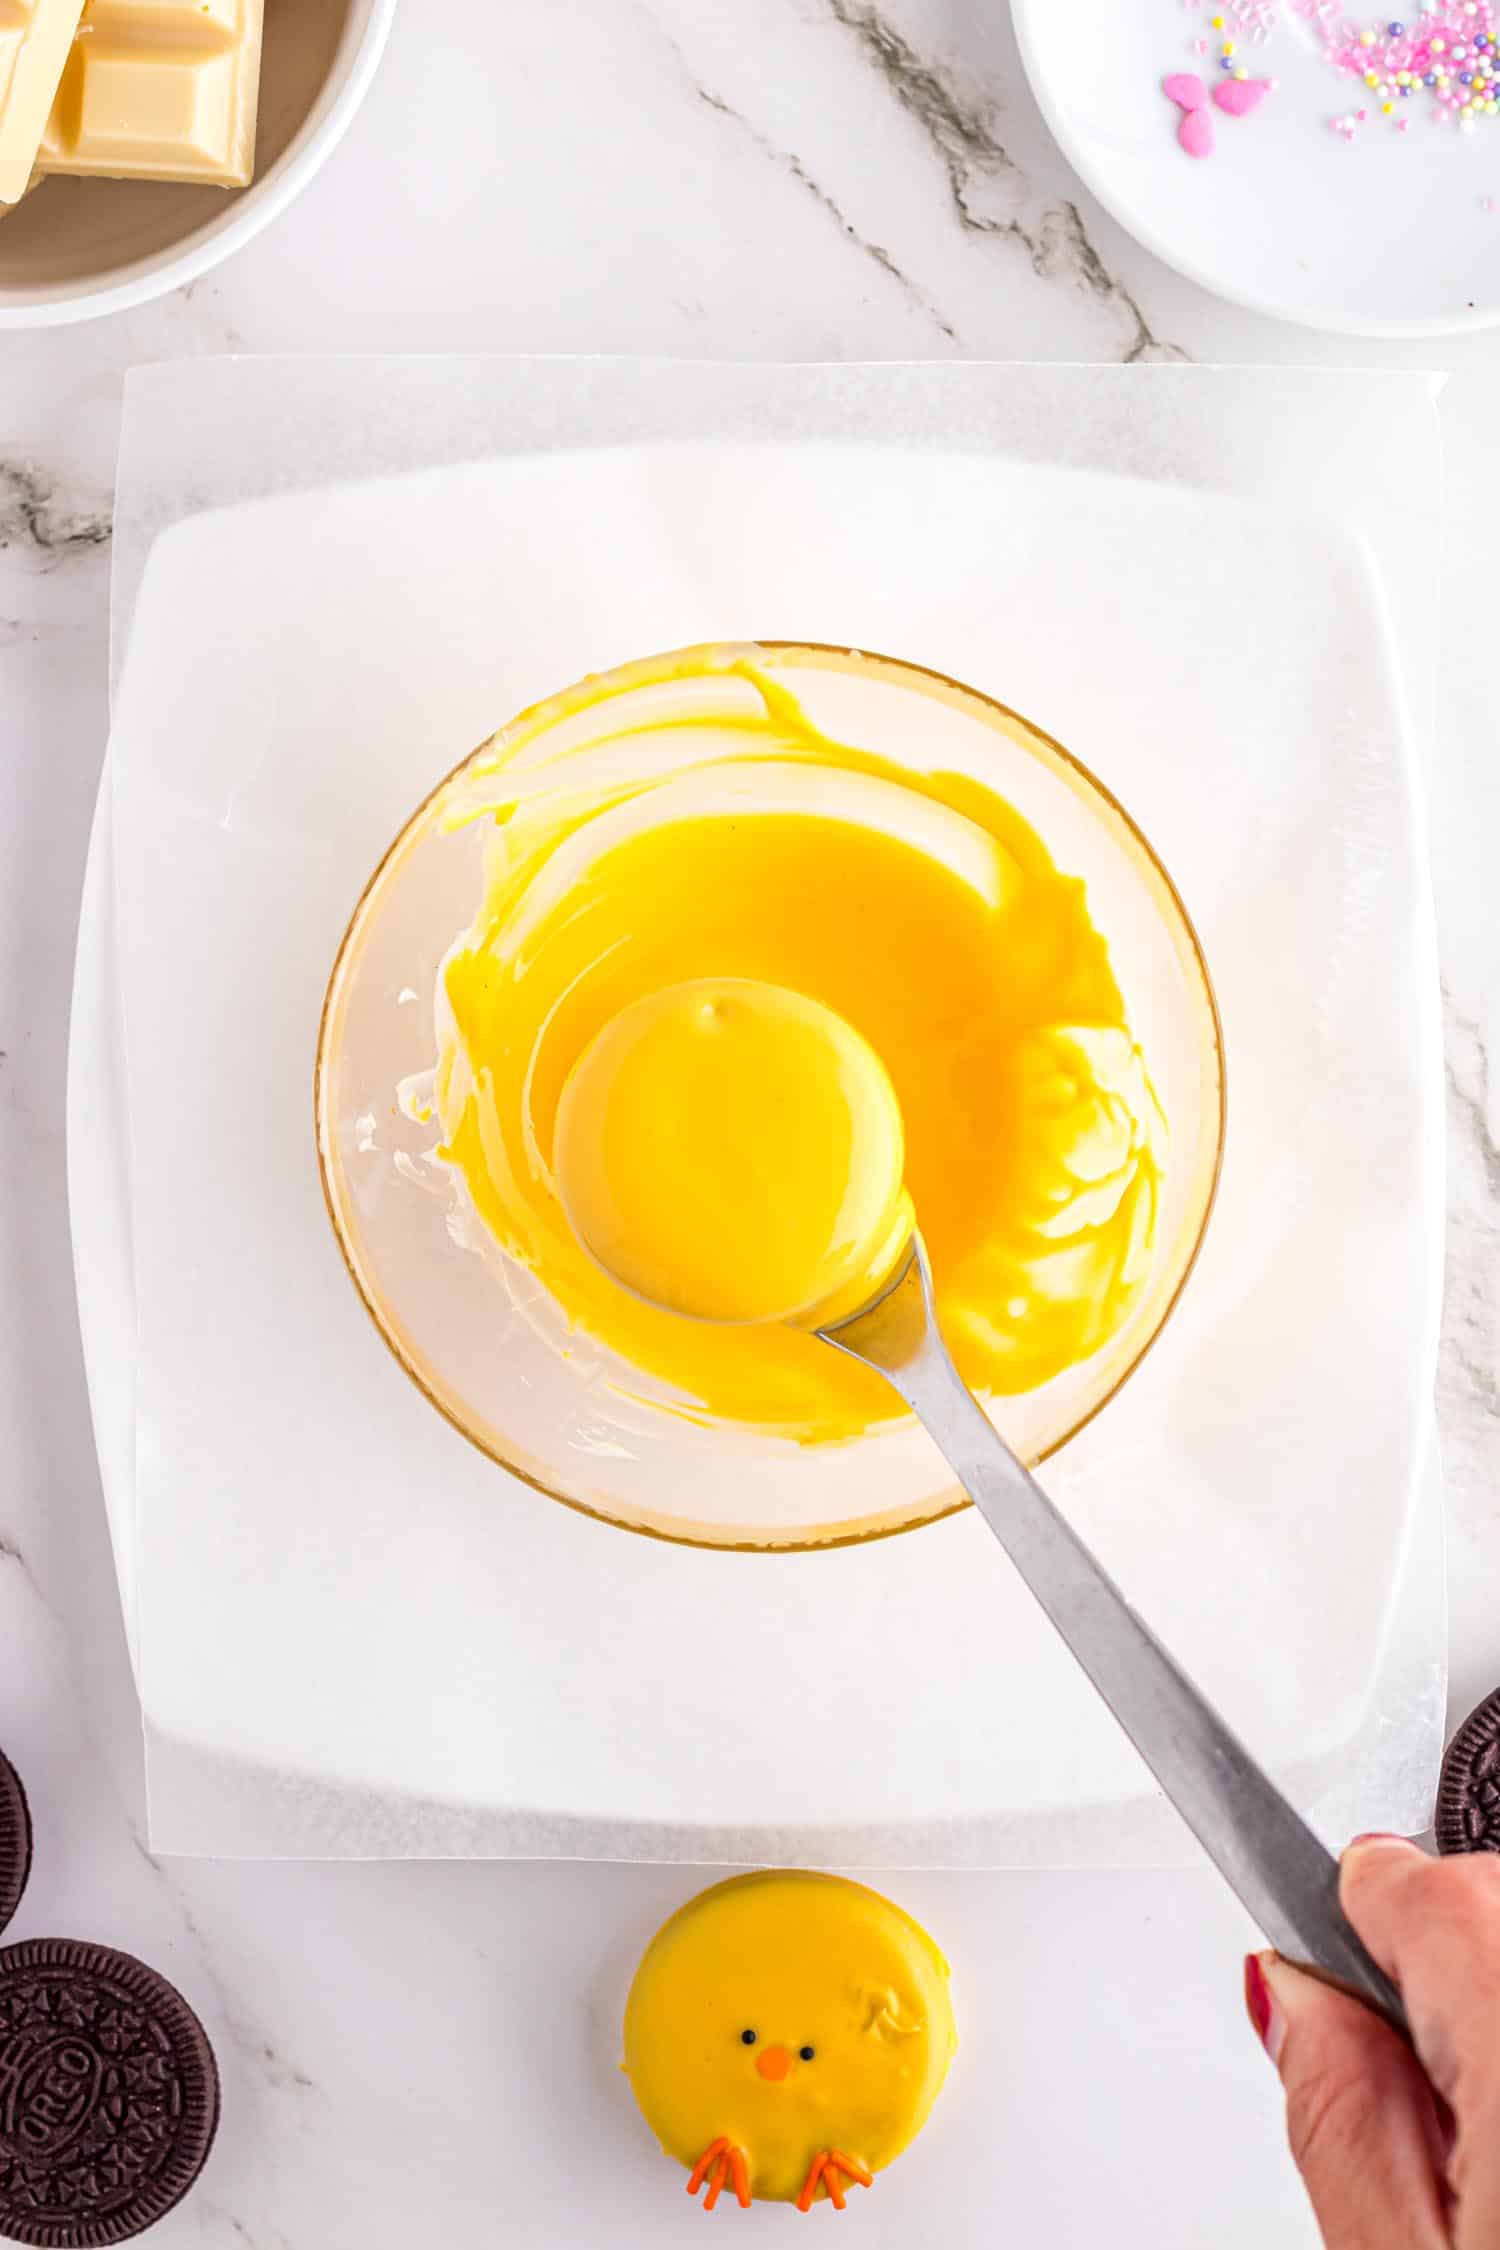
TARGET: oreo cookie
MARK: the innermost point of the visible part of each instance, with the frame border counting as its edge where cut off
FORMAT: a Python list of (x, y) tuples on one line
[(109, 2095), (15, 1840), (1468, 1806)]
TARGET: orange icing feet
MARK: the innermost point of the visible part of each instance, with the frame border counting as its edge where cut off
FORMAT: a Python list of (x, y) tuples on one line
[(825, 2171), (721, 2163)]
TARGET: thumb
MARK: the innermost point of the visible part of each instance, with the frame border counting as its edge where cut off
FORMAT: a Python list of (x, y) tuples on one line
[(1361, 2118)]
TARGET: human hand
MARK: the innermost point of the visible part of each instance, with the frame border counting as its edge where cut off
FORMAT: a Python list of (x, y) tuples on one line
[(1393, 2159)]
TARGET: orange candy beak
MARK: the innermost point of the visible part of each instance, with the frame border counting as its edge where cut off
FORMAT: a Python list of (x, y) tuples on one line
[(773, 2063)]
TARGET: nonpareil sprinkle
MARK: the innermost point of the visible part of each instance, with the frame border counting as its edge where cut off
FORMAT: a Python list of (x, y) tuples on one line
[(1448, 52)]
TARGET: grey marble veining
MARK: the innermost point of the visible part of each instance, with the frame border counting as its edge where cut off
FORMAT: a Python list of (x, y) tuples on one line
[(36, 521), (991, 194), (792, 165)]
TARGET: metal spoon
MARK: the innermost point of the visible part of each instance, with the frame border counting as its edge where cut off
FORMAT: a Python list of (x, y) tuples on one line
[(1266, 1852)]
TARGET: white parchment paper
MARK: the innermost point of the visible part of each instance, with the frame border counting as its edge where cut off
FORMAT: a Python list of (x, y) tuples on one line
[(354, 1635)]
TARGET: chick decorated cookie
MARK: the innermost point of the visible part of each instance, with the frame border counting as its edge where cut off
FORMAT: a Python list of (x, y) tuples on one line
[(786, 2035)]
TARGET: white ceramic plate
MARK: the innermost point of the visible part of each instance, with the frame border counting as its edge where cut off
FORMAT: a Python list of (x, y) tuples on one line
[(1389, 235), (356, 1635)]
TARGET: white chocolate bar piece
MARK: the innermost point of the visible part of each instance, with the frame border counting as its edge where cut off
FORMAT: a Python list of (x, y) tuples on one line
[(35, 39), (159, 90)]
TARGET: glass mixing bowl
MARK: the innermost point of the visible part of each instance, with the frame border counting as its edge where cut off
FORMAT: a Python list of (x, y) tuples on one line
[(481, 1338)]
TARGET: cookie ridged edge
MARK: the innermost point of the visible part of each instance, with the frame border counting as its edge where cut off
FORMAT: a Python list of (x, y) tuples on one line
[(1479, 1730), (15, 1841)]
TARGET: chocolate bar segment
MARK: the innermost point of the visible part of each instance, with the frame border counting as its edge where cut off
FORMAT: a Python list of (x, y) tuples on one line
[(35, 40), (159, 90)]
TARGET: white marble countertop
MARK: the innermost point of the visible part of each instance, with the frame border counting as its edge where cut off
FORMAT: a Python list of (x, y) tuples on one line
[(425, 2053)]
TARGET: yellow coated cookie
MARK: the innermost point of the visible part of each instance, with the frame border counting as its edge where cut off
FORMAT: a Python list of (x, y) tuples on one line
[(733, 1151), (788, 2033)]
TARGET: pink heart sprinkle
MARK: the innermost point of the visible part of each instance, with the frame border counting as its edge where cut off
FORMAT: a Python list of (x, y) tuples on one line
[(1185, 88), (1196, 132), (1237, 97)]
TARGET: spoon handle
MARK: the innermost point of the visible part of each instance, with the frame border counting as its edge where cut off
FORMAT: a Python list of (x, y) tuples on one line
[(1263, 1848)]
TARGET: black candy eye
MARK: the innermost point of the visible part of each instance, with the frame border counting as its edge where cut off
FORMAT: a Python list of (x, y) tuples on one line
[(748, 2037), (807, 2053)]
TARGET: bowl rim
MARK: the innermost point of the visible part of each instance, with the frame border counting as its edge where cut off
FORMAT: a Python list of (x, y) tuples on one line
[(253, 208), (891, 1527)]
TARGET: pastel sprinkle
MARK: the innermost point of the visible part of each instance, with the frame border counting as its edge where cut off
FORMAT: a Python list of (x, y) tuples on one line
[(1445, 52), (1443, 61)]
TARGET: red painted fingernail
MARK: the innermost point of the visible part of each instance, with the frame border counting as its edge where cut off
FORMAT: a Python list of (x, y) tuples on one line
[(1260, 2006), (1257, 1997)]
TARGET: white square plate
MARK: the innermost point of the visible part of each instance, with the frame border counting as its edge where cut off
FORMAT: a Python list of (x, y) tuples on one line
[(354, 1634)]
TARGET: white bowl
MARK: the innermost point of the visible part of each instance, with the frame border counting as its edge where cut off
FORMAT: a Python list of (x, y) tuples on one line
[(1396, 237), (76, 248)]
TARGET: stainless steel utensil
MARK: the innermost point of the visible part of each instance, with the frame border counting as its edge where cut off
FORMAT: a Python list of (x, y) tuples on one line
[(1263, 1848)]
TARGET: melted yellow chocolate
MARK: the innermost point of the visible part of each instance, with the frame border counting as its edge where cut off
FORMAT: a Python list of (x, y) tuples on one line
[(727, 838)]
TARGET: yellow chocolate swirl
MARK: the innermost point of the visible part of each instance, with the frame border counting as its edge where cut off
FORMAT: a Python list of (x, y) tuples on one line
[(719, 835)]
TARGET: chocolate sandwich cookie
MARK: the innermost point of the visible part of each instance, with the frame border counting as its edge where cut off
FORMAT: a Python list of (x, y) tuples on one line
[(1468, 1806), (109, 2095), (15, 1840)]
